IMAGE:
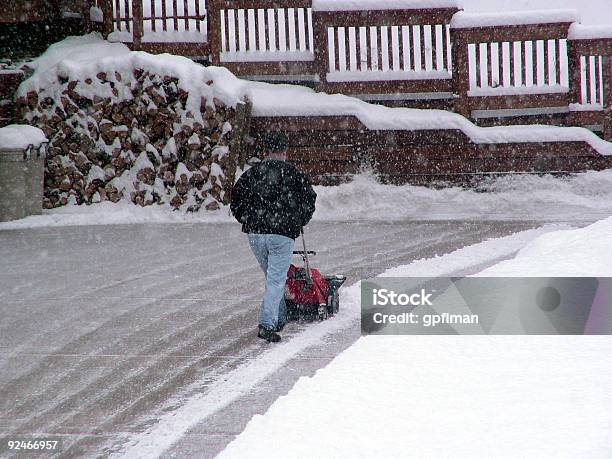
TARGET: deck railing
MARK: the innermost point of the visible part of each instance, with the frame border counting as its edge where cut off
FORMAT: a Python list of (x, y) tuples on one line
[(260, 37), (511, 69), (397, 52), (591, 71), (178, 26), (482, 66)]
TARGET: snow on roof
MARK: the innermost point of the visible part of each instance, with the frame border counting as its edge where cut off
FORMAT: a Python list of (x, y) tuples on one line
[(78, 58), (287, 100), (20, 136), (463, 20), (588, 32), (357, 5)]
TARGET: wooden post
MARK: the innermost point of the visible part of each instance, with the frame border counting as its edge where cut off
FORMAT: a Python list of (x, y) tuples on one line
[(477, 66), (321, 49), (137, 27), (607, 89), (240, 129), (575, 80), (461, 72), (214, 31), (107, 15)]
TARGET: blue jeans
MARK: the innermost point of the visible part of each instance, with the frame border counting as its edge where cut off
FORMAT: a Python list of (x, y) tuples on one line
[(273, 252)]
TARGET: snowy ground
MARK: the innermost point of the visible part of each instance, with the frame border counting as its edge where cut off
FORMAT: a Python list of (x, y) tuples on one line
[(107, 328), (582, 197), (459, 396)]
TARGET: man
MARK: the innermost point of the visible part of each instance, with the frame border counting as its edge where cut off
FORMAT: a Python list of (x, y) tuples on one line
[(273, 200)]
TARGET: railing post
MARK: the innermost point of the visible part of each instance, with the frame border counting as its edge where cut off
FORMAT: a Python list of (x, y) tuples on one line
[(575, 80), (321, 49), (107, 17), (213, 14), (137, 24), (461, 72), (607, 88)]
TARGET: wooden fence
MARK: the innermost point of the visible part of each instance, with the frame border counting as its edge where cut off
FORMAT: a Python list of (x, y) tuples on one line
[(382, 52), (494, 73), (510, 69), (175, 26), (331, 149), (260, 38)]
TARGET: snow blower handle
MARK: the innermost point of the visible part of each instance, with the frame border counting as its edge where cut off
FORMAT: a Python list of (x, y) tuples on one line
[(305, 255)]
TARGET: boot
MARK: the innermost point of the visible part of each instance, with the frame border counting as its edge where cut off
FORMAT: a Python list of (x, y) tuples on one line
[(268, 334)]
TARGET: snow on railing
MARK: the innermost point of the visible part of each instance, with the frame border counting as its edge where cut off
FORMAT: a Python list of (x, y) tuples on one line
[(464, 20)]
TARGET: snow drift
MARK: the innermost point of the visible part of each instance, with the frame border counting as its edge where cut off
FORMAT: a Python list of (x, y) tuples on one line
[(463, 396)]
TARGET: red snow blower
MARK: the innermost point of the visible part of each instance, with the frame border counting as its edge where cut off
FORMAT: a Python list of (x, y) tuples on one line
[(310, 295)]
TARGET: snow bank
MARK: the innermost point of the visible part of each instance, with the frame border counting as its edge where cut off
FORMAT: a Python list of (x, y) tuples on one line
[(459, 396), (579, 252), (357, 5), (20, 136), (465, 20), (584, 197), (438, 397), (288, 100), (588, 32)]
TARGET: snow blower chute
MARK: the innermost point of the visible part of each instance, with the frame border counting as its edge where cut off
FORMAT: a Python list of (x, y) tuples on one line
[(309, 294)]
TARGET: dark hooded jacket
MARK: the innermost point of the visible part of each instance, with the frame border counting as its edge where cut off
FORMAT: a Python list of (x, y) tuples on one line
[(273, 197)]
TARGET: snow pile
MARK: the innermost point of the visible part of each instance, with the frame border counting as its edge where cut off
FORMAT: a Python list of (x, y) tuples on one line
[(365, 5), (583, 197), (465, 20), (19, 136), (121, 124), (464, 396), (579, 252), (589, 32), (288, 100), (433, 396)]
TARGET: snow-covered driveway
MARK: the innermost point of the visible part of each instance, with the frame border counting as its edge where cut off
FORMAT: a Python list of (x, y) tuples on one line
[(103, 327)]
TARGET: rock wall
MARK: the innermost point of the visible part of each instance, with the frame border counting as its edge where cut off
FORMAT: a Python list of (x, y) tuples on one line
[(131, 134)]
